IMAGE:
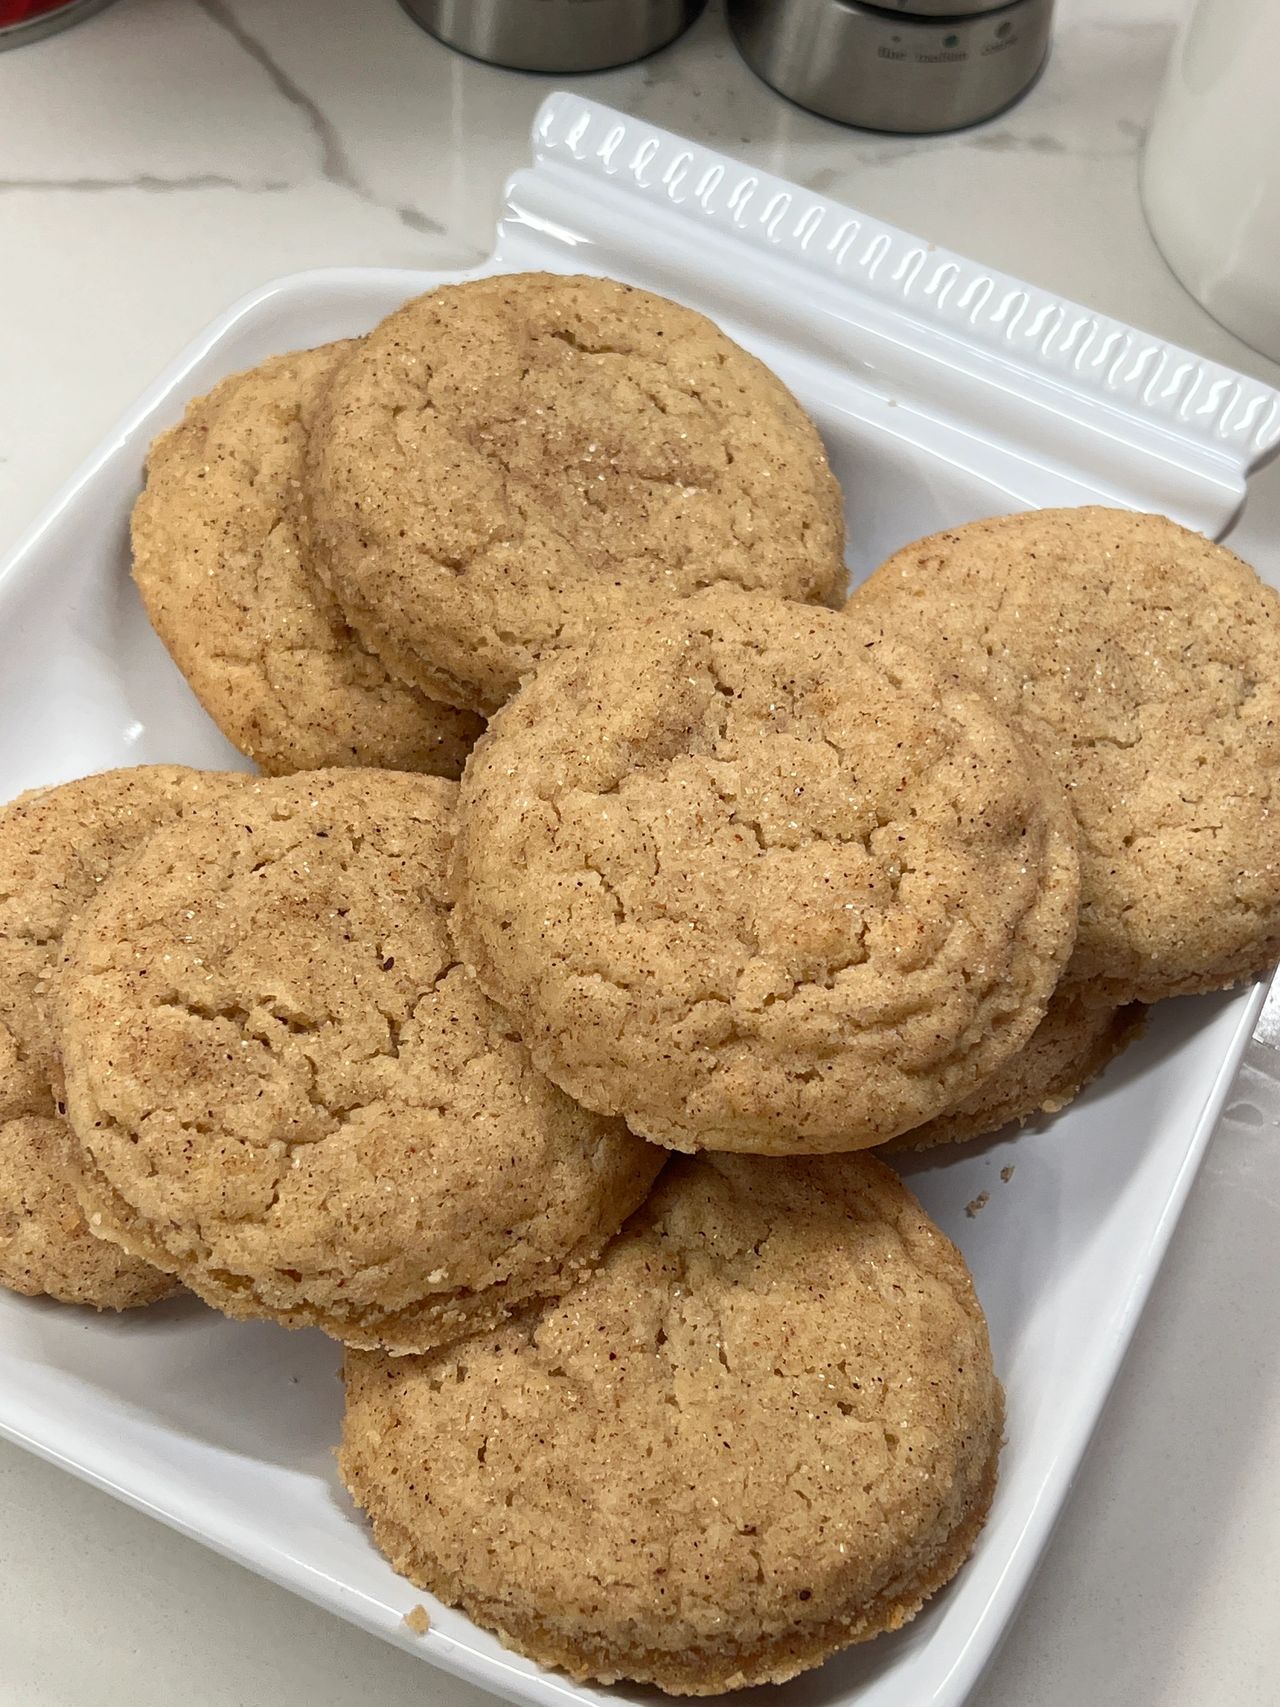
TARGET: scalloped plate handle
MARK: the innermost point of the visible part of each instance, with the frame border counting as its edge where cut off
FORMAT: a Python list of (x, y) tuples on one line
[(975, 364)]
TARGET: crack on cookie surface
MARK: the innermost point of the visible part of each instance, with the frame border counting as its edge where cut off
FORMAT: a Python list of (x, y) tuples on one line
[(1075, 1040), (57, 848), (1143, 662), (710, 1354), (221, 558), (469, 528), (285, 1079), (739, 857)]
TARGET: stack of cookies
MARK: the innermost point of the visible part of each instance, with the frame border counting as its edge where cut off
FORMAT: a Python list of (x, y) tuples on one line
[(356, 553), (732, 872)]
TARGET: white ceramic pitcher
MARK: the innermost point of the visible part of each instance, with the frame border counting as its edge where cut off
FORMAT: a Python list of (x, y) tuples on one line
[(1211, 171)]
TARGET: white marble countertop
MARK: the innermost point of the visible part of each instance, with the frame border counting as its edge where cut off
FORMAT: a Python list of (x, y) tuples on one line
[(167, 156)]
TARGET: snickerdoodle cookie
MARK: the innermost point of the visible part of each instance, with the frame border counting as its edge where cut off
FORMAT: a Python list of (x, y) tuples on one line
[(46, 1248), (758, 885), (220, 557), (1143, 662), (290, 1093), (1071, 1045), (765, 1428), (504, 465), (57, 846)]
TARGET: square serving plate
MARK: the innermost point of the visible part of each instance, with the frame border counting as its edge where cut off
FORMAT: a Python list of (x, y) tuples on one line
[(945, 393)]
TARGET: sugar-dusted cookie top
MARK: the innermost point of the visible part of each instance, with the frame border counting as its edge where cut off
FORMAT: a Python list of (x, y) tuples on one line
[(1143, 662), (289, 1092), (220, 556), (1074, 1041), (46, 1246), (765, 1428), (758, 884), (57, 847), (504, 465)]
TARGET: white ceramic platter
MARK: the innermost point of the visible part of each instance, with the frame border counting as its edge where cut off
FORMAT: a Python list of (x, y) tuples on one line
[(945, 393)]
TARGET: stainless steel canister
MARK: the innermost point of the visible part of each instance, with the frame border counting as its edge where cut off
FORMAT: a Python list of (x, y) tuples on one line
[(903, 65), (555, 35)]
